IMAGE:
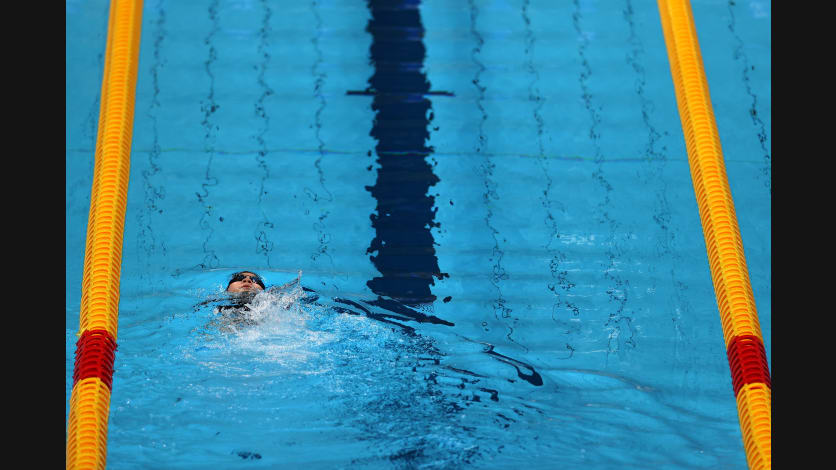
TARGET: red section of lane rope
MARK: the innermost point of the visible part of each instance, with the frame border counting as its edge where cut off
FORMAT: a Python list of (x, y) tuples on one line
[(94, 356), (747, 360)]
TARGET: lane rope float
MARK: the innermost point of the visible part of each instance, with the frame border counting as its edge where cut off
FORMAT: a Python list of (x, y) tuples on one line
[(751, 380), (96, 346)]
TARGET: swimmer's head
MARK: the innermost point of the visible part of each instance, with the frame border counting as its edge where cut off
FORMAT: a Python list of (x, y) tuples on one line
[(245, 281)]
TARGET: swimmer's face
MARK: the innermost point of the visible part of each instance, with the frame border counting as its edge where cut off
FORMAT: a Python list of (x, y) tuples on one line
[(244, 282)]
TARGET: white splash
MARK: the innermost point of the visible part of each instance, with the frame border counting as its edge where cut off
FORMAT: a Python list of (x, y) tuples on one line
[(281, 332)]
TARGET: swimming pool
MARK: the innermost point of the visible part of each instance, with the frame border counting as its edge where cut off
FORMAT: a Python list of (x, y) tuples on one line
[(531, 181)]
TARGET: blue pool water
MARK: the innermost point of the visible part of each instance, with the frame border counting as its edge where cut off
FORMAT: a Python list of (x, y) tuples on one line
[(491, 209)]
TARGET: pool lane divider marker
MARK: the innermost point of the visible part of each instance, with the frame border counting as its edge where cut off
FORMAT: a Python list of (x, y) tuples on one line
[(96, 346), (751, 380)]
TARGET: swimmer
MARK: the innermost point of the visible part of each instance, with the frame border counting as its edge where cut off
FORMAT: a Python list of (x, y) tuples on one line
[(245, 281), (242, 288), (232, 307)]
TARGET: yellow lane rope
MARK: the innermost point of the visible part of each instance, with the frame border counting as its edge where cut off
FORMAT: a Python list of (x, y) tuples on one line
[(90, 399), (741, 328)]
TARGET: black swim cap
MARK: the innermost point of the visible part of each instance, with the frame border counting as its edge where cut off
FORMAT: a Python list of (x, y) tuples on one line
[(239, 276)]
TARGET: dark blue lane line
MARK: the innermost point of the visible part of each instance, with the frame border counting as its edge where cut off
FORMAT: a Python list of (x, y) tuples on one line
[(370, 92), (403, 247), (404, 217)]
